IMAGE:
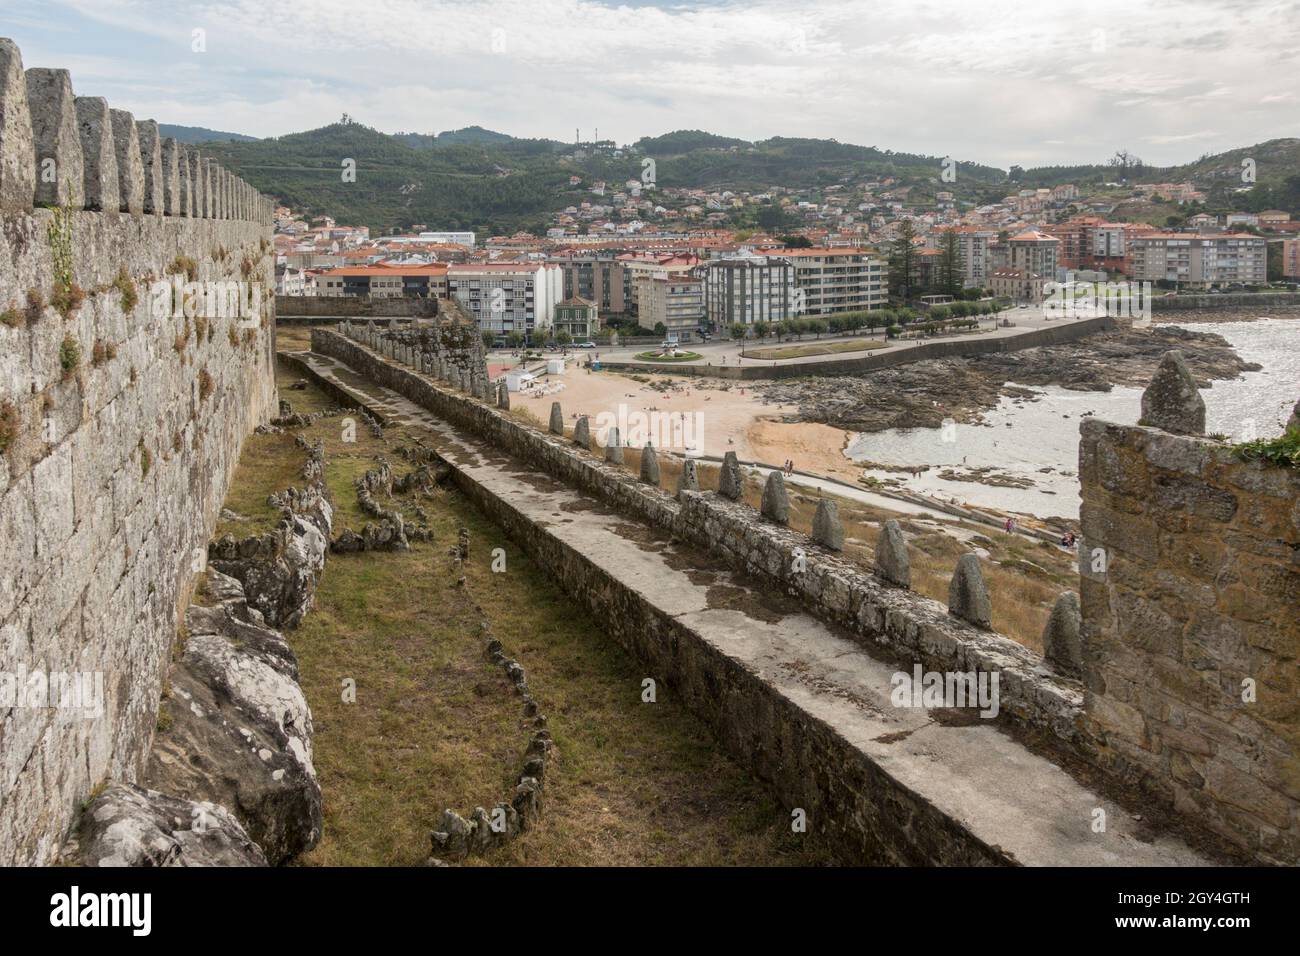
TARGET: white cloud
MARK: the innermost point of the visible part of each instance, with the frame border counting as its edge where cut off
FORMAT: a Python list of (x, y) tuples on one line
[(996, 81)]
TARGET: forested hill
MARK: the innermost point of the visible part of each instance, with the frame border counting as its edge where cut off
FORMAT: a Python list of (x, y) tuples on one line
[(493, 183), (479, 179)]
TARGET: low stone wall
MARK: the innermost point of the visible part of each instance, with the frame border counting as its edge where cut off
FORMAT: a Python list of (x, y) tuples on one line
[(869, 815), (1234, 300), (1191, 627), (121, 423), (833, 588), (308, 309), (1067, 331)]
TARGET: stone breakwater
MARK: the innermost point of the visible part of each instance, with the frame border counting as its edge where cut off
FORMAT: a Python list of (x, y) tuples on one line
[(120, 423), (894, 622)]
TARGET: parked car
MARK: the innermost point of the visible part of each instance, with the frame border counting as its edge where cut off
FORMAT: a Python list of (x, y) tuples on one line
[(585, 345)]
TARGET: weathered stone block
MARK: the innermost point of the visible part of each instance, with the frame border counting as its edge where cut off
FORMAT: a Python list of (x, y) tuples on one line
[(60, 175), (613, 447), (649, 465), (689, 478), (775, 504), (17, 156), (130, 167), (892, 561), (185, 193), (730, 483), (1171, 402), (968, 596), (155, 171), (827, 528), (1061, 636), (198, 184), (102, 185)]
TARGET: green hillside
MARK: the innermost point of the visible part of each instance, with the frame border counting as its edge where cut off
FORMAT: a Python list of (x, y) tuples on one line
[(198, 134), (475, 178), (1276, 170), (491, 189)]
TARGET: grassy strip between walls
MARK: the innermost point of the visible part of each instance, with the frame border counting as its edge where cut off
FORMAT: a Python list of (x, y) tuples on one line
[(435, 725)]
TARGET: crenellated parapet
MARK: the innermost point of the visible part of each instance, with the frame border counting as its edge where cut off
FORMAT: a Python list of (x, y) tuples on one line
[(60, 149)]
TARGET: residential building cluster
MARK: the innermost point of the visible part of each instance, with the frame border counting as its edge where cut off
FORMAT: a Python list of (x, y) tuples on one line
[(688, 263)]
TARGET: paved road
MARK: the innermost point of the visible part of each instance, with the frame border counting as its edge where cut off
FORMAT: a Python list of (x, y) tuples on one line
[(726, 352)]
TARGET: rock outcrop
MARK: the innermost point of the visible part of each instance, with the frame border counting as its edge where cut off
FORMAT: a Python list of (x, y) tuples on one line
[(236, 729), (279, 570), (126, 825)]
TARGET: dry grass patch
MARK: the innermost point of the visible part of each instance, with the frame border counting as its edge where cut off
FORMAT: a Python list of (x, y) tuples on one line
[(436, 726)]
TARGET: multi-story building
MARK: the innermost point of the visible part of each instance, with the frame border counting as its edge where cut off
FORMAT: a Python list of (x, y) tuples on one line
[(451, 238), (597, 276), (973, 250), (508, 296), (1035, 253), (1291, 258), (635, 266), (578, 317), (748, 289), (830, 281), (1018, 285), (674, 300), (423, 281), (1199, 259), (1075, 235)]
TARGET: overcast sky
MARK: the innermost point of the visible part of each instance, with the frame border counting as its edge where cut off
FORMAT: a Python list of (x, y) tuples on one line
[(1029, 82)]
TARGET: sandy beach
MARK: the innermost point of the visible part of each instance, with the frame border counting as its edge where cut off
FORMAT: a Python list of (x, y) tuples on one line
[(729, 417)]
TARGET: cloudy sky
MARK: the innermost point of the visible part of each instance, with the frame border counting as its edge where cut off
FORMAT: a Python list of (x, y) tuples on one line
[(993, 81)]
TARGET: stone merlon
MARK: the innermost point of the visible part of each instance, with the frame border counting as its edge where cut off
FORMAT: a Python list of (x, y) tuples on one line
[(60, 148)]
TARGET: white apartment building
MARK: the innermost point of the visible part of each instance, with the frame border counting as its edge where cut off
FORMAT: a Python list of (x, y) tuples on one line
[(449, 238), (1199, 259), (974, 254), (510, 296), (830, 281)]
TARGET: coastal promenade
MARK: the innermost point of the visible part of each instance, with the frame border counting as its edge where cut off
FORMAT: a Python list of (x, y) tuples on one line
[(731, 360)]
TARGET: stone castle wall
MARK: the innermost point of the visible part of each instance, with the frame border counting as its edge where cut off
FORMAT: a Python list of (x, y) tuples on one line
[(1144, 712), (121, 424), (1191, 627), (324, 308)]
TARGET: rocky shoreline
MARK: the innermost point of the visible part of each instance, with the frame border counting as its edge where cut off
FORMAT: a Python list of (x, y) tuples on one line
[(924, 394)]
